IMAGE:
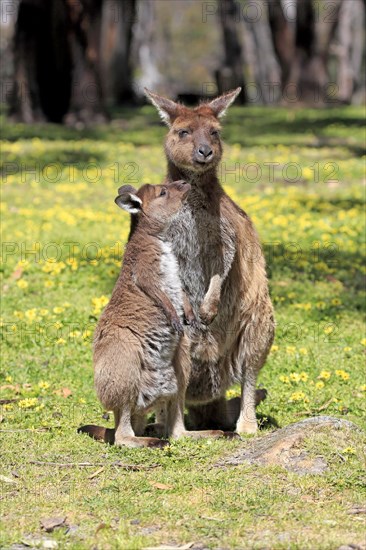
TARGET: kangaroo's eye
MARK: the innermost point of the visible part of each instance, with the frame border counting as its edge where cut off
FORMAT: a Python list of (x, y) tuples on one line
[(182, 133), (162, 193), (214, 133)]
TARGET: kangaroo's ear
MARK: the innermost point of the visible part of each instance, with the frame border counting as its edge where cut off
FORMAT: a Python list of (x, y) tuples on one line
[(220, 104), (128, 200), (168, 109)]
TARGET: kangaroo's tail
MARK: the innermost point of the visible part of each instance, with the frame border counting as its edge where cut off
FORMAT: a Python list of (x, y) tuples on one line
[(98, 432)]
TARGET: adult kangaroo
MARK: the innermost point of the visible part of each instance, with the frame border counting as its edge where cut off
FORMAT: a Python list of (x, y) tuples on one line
[(218, 253)]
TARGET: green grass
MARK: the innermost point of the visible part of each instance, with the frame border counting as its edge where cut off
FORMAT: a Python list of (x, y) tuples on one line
[(299, 175)]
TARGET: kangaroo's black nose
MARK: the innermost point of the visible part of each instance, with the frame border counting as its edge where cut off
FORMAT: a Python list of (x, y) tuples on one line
[(204, 151)]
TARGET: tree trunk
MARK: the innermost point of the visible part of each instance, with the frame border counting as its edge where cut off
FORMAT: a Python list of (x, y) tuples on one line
[(282, 22), (41, 89), (309, 76), (349, 49), (118, 19), (231, 75), (148, 48), (56, 62), (84, 26)]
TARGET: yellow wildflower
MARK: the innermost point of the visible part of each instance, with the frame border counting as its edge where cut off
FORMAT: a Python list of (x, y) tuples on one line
[(303, 376), (303, 351), (72, 262), (342, 374), (295, 377), (349, 451), (58, 309), (43, 385), (60, 341), (232, 393), (274, 348), (28, 403), (18, 314), (99, 303), (319, 385), (22, 283), (31, 314), (298, 396), (284, 379), (324, 375)]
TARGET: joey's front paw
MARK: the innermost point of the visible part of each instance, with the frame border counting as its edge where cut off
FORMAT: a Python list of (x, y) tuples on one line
[(191, 320), (208, 315), (177, 325)]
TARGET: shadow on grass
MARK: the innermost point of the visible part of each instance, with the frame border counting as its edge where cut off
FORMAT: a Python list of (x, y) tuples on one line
[(328, 264), (247, 126), (49, 160)]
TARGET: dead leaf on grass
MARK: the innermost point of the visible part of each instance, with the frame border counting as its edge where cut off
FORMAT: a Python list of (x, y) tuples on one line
[(170, 547), (160, 486), (6, 479), (102, 526), (17, 273), (63, 392), (49, 524)]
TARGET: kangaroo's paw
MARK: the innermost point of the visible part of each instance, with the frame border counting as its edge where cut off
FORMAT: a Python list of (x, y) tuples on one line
[(231, 435), (98, 432), (247, 427)]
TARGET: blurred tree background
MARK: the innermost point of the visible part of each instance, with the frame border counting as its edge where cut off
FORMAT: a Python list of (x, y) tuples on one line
[(72, 61)]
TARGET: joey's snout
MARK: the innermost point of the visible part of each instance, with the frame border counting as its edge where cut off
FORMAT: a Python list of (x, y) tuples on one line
[(182, 186)]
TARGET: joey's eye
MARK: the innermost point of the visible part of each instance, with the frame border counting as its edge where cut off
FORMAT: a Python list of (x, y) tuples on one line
[(183, 133), (162, 193)]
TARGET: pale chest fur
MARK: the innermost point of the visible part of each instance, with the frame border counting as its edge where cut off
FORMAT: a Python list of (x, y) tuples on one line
[(204, 245), (170, 281)]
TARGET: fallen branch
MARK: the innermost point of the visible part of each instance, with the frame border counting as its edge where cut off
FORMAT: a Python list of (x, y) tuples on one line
[(132, 467), (326, 405), (315, 411)]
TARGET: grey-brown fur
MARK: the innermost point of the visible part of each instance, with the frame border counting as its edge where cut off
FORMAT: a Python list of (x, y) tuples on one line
[(141, 354), (212, 237)]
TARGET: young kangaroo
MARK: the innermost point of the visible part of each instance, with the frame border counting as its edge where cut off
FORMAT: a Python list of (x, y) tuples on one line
[(141, 354), (217, 249)]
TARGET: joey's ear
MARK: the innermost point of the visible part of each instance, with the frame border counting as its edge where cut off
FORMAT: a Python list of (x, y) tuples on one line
[(128, 200), (168, 109), (220, 104)]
